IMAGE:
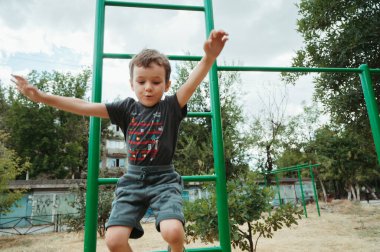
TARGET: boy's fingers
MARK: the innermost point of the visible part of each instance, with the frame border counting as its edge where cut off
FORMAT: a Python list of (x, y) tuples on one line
[(220, 34), (16, 82), (18, 77), (225, 38)]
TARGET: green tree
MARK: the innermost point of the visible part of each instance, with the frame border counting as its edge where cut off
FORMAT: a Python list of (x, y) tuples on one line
[(300, 132), (10, 167), (343, 154), (54, 141), (4, 106), (268, 130), (75, 222), (194, 148), (342, 33), (297, 146), (247, 203), (345, 159)]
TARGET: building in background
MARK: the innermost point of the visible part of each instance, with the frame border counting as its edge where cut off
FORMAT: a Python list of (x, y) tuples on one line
[(114, 151)]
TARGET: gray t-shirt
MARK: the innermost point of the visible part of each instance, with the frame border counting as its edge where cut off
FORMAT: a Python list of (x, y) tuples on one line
[(150, 132)]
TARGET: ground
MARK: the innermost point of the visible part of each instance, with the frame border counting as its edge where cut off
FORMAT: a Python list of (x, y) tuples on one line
[(343, 226)]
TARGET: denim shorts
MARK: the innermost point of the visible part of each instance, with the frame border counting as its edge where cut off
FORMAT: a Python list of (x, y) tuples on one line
[(157, 187)]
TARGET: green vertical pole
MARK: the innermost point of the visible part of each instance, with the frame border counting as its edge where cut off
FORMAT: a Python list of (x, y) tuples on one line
[(278, 190), (217, 139), (314, 189), (301, 188), (94, 138), (266, 185), (265, 180), (372, 109)]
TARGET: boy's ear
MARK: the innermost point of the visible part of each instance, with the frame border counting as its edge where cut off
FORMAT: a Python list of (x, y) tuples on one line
[(131, 82), (167, 85)]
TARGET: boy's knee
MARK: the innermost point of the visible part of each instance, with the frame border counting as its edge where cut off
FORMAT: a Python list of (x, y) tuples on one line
[(172, 231), (117, 238)]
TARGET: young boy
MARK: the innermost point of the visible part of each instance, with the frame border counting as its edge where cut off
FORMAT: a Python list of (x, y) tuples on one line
[(150, 126)]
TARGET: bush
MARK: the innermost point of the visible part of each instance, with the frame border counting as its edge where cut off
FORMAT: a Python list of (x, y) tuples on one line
[(75, 222), (247, 203)]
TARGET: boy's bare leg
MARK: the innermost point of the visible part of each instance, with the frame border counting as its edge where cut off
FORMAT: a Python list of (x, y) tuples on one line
[(117, 238), (173, 233)]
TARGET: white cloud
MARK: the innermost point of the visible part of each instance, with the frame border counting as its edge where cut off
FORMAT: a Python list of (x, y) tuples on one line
[(262, 33), (22, 40)]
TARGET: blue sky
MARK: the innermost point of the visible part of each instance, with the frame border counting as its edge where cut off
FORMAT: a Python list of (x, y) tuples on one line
[(58, 35)]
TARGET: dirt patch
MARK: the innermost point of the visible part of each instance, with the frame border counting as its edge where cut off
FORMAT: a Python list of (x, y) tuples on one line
[(343, 226)]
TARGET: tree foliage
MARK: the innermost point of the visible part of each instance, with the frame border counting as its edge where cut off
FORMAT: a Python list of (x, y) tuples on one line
[(344, 155), (247, 202), (300, 131), (344, 158), (54, 141), (268, 129), (4, 106), (75, 222), (10, 167), (341, 33), (194, 154)]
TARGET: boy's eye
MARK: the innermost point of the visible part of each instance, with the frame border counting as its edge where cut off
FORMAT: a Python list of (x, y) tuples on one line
[(157, 82), (140, 82)]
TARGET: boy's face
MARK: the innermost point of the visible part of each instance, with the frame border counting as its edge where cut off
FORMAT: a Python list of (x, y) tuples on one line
[(149, 84)]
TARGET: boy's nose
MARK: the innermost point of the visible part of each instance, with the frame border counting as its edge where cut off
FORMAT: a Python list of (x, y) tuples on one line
[(148, 87)]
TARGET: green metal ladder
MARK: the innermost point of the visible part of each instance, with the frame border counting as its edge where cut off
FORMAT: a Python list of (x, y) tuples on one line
[(93, 181)]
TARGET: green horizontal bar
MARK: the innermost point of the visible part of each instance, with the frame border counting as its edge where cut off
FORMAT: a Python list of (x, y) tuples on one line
[(199, 178), (293, 166), (171, 57), (292, 169), (110, 181), (287, 69), (375, 71), (184, 57), (209, 249), (199, 114), (107, 181), (285, 169), (154, 6)]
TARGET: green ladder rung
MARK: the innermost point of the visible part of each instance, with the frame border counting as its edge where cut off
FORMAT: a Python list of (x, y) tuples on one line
[(209, 249), (171, 57), (109, 181), (155, 6), (199, 114)]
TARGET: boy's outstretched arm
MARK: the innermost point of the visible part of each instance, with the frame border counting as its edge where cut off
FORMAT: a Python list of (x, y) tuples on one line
[(69, 104), (212, 47)]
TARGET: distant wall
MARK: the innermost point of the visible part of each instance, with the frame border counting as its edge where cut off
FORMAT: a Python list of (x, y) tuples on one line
[(291, 193), (42, 206)]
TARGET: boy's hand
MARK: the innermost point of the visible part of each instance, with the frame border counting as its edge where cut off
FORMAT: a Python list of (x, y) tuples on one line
[(26, 89), (215, 43)]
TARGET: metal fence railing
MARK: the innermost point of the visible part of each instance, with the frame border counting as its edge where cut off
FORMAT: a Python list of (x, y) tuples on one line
[(33, 224)]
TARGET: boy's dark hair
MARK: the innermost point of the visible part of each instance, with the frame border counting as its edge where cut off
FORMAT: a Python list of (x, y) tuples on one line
[(148, 56)]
